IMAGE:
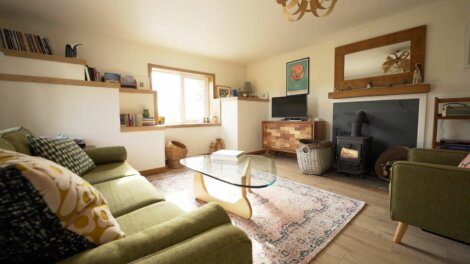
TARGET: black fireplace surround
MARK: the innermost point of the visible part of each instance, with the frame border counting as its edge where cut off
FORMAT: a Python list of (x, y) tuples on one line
[(366, 129)]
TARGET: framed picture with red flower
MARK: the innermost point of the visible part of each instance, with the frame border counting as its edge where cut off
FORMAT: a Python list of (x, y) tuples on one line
[(297, 77)]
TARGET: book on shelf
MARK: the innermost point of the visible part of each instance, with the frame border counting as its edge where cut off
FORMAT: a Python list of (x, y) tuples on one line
[(131, 120), (228, 155), (454, 144), (91, 74), (26, 42)]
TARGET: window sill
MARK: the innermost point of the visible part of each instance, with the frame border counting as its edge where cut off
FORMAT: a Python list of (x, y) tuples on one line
[(191, 125)]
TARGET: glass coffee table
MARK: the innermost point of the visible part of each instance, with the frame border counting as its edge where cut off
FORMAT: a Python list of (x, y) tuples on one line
[(251, 172)]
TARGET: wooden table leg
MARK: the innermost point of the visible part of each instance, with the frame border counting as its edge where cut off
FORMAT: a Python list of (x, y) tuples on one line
[(242, 207), (400, 232)]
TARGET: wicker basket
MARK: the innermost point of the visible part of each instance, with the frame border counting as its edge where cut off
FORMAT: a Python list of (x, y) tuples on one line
[(174, 152), (314, 157)]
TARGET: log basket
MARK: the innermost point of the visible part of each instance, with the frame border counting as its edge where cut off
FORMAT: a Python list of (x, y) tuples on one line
[(174, 152)]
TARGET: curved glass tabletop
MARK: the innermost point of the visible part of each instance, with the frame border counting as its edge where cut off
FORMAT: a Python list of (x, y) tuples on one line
[(261, 169)]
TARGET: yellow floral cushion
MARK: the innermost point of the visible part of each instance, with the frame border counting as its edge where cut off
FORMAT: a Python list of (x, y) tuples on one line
[(79, 206)]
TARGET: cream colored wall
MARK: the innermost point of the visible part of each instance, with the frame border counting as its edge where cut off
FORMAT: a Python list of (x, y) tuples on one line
[(90, 113), (444, 61), (251, 114), (115, 55), (196, 139)]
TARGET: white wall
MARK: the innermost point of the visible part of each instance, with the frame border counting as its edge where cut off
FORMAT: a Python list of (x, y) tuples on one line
[(90, 113), (241, 124), (444, 61), (251, 114), (196, 139), (116, 55)]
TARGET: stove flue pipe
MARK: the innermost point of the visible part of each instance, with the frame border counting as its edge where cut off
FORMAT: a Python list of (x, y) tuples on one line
[(359, 119)]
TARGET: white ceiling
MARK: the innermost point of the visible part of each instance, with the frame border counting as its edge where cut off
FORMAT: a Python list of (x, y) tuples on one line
[(239, 31)]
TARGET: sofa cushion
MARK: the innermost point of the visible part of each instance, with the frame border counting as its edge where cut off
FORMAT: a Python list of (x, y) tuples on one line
[(79, 206), (148, 216), (31, 232), (17, 137), (4, 144), (128, 194), (108, 172), (65, 152)]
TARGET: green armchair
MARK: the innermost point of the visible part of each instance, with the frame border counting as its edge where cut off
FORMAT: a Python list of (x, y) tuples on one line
[(431, 192)]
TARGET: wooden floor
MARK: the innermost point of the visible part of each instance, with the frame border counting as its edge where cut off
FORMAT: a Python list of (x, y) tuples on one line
[(368, 237)]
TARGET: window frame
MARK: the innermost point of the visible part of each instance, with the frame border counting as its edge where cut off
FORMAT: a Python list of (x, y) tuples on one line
[(184, 73)]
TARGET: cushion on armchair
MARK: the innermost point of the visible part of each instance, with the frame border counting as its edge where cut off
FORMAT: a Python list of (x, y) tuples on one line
[(62, 213)]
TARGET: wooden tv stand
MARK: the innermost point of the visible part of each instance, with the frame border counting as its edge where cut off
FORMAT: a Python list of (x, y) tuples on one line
[(284, 136)]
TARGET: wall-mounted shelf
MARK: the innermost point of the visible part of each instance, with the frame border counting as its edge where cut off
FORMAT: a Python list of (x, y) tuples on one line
[(38, 56), (394, 90), (52, 80), (132, 90)]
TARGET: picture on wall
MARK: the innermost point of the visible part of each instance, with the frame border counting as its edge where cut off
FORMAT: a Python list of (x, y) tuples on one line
[(297, 76), (223, 91)]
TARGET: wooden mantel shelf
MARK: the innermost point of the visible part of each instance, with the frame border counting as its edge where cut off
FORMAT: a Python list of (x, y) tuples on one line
[(38, 56), (394, 90)]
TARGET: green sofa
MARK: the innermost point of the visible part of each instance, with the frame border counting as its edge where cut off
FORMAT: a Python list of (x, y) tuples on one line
[(431, 192), (156, 231)]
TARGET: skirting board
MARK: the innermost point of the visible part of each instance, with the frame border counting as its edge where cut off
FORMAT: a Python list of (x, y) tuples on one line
[(152, 171), (256, 152)]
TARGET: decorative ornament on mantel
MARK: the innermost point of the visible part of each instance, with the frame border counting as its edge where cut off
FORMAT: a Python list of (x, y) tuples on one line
[(296, 9)]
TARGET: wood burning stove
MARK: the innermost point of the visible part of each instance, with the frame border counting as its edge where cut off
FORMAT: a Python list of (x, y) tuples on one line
[(353, 153)]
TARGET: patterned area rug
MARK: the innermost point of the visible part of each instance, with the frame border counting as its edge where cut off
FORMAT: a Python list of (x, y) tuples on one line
[(291, 222)]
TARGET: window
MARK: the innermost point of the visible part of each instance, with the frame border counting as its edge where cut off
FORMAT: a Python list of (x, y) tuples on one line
[(183, 96)]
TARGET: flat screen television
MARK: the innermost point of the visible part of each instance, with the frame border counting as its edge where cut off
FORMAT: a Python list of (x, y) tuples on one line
[(294, 106)]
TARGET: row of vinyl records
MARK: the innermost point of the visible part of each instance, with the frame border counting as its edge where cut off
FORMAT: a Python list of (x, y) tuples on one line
[(16, 40), (136, 120)]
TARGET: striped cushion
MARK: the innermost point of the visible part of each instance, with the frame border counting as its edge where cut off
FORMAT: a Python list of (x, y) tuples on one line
[(62, 151)]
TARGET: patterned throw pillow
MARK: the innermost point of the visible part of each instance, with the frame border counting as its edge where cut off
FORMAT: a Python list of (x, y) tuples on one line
[(465, 162), (30, 232), (62, 151), (79, 206)]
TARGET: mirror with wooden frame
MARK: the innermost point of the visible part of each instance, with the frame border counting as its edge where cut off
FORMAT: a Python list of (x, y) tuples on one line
[(381, 61)]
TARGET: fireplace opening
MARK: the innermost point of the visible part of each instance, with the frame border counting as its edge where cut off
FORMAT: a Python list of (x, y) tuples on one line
[(363, 130)]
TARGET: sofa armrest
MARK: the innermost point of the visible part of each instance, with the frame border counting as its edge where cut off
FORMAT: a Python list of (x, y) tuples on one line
[(224, 244), (431, 196), (156, 238), (107, 155), (437, 156)]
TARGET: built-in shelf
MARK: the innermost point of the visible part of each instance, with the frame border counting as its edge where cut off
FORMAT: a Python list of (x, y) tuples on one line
[(191, 125), (38, 56), (141, 128), (457, 117), (394, 90), (240, 98), (52, 80), (131, 90), (161, 127)]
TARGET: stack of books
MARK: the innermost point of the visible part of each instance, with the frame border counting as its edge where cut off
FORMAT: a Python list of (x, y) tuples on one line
[(455, 144), (228, 155), (131, 120), (148, 121), (91, 74), (15, 40)]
